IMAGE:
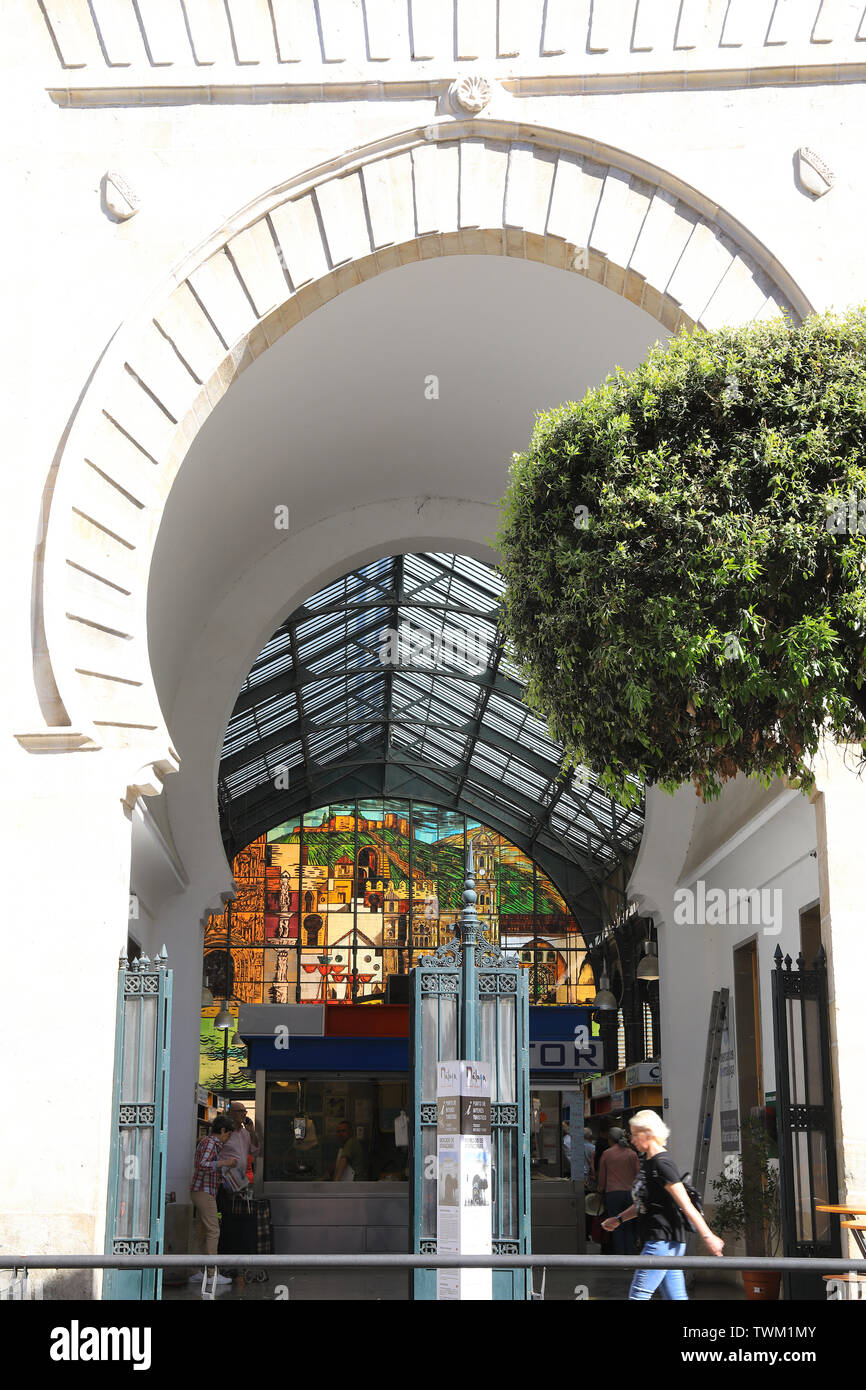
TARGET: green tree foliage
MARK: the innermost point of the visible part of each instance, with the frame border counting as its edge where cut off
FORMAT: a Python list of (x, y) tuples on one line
[(685, 558)]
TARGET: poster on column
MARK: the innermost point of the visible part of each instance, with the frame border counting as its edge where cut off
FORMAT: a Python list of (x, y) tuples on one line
[(465, 1174), (729, 1115)]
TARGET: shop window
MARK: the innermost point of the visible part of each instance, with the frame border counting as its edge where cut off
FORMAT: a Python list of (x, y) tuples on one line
[(303, 1132)]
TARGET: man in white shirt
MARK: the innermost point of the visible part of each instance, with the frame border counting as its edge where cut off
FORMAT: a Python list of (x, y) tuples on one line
[(243, 1142)]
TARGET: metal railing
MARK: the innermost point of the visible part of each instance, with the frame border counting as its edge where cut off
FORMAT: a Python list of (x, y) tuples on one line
[(398, 1260)]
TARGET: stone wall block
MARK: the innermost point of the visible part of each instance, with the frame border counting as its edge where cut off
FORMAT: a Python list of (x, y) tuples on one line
[(101, 648), (772, 307), (388, 187), (432, 28), (388, 258), (71, 25), (303, 253), (565, 26), (342, 29), (187, 325), (138, 415), (472, 18), (783, 23), (830, 22), (538, 247), (633, 287), (93, 549), (252, 30), (296, 30), (436, 177), (510, 28), (598, 267), (165, 31), (620, 216), (155, 362), (529, 185), (121, 701), (100, 604), (222, 296), (691, 24), (700, 269), (118, 31), (341, 203), (745, 23), (387, 29), (108, 507), (255, 256), (655, 23), (577, 190), (482, 183), (109, 450), (209, 28), (663, 238), (738, 298), (610, 25)]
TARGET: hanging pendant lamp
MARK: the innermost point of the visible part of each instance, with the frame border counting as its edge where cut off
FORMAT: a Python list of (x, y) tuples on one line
[(648, 966), (224, 1019), (604, 1000)]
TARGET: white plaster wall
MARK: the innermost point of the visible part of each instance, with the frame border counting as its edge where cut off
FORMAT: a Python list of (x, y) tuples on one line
[(65, 924), (775, 850)]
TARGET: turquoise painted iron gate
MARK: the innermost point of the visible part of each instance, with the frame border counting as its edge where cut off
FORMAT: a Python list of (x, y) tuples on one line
[(136, 1186), (471, 1002)]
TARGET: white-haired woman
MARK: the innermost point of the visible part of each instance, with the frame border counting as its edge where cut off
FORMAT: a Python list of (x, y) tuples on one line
[(662, 1209)]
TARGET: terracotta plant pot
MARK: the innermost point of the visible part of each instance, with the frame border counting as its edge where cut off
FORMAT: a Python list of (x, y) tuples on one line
[(762, 1284)]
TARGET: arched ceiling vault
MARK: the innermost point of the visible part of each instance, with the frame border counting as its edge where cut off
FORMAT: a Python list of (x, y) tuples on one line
[(394, 682)]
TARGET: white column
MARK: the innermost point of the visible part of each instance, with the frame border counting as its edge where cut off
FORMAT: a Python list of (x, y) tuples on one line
[(67, 851)]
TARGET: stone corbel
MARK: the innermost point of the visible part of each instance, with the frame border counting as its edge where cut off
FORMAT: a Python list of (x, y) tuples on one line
[(150, 777)]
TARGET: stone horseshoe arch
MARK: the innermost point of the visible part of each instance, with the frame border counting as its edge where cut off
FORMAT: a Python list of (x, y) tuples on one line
[(467, 187)]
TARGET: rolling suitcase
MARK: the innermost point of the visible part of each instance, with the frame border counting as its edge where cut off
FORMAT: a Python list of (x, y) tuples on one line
[(245, 1229)]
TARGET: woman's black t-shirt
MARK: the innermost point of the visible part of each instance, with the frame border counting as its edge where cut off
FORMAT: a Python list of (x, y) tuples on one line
[(659, 1217)]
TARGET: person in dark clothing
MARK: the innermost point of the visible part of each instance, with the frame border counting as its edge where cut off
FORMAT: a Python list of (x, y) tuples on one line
[(602, 1143), (662, 1209)]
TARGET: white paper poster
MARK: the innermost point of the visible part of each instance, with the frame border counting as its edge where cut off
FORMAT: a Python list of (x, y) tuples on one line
[(465, 1177), (729, 1114)]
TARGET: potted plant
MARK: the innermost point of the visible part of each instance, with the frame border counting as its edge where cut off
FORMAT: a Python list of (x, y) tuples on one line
[(748, 1204)]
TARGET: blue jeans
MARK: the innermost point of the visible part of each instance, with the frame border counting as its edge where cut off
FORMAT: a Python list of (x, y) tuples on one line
[(670, 1281)]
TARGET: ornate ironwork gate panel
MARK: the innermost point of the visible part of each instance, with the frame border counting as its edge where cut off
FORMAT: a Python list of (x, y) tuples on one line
[(468, 991), (804, 1116), (136, 1187)]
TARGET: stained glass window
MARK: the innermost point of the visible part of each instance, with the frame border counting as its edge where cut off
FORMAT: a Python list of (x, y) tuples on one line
[(333, 902)]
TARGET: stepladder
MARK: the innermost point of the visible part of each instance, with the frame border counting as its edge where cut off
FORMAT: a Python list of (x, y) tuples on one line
[(718, 1018)]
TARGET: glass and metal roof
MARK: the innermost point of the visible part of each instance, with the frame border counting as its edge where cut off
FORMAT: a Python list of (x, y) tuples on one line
[(394, 681)]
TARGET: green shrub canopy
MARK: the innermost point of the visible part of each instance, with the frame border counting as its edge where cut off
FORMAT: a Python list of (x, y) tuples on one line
[(685, 558)]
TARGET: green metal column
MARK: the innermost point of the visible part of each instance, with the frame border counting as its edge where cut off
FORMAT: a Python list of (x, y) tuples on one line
[(469, 1035), (470, 1001), (136, 1185)]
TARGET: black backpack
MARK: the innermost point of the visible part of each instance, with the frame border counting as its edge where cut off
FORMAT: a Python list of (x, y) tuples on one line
[(694, 1197)]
